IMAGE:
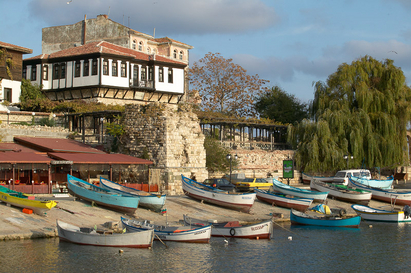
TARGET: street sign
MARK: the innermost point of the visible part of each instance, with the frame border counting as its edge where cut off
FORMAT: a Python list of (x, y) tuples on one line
[(288, 168)]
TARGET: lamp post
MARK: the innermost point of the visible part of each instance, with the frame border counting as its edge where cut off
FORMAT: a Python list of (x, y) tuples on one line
[(101, 133), (230, 158), (347, 157), (8, 114), (32, 121)]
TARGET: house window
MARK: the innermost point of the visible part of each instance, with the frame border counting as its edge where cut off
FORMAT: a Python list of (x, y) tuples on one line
[(135, 75), (56, 68), (94, 67), (7, 94), (33, 73), (114, 69), (45, 72), (105, 67), (181, 55), (170, 75), (175, 54), (25, 73), (123, 69), (86, 68), (161, 74), (143, 73), (150, 73), (140, 46), (77, 69), (134, 44), (148, 50), (63, 71)]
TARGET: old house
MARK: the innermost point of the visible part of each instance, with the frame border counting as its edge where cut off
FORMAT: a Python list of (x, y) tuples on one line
[(11, 59), (101, 60)]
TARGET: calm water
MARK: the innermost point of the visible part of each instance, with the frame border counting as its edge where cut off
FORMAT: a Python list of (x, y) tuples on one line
[(384, 247)]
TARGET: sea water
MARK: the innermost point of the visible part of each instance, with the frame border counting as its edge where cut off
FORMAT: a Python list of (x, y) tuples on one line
[(374, 247)]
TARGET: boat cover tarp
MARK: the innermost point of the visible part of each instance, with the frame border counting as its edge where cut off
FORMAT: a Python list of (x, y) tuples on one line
[(321, 208)]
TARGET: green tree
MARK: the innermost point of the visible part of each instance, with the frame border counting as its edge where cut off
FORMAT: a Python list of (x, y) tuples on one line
[(216, 160), (362, 111), (277, 105), (223, 86)]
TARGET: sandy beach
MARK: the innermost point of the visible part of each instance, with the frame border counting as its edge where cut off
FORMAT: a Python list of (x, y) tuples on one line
[(14, 224)]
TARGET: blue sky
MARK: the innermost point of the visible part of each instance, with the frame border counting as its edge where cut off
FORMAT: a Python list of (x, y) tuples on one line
[(290, 43)]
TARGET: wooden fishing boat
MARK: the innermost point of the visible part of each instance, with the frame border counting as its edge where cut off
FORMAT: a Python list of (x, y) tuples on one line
[(307, 178), (90, 236), (303, 193), (301, 218), (237, 201), (235, 229), (148, 200), (385, 184), (185, 234), (373, 214), (100, 196), (282, 200), (342, 192), (22, 200), (395, 197)]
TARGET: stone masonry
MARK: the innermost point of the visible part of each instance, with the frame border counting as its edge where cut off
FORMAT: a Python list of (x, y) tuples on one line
[(169, 135)]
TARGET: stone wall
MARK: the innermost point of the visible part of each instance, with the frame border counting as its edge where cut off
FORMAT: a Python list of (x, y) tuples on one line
[(170, 136)]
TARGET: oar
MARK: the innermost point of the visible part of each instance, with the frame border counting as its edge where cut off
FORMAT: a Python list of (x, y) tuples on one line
[(160, 240)]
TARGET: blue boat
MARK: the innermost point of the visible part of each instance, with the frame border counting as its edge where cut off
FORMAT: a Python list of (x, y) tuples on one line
[(303, 193), (100, 196), (330, 220), (148, 200), (375, 183)]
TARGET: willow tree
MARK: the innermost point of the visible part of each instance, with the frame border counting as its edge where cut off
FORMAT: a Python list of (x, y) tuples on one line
[(361, 111), (224, 86)]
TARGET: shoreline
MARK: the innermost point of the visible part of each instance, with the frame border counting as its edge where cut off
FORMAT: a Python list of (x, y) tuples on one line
[(16, 225)]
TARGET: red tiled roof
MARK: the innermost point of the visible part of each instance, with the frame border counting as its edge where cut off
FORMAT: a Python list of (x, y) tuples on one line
[(100, 158), (23, 157), (16, 48), (62, 145), (14, 147), (103, 47)]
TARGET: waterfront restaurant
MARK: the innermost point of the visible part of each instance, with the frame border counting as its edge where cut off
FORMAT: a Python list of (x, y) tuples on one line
[(39, 165)]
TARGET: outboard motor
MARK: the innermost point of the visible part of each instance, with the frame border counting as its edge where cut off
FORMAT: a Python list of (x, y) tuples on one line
[(407, 211)]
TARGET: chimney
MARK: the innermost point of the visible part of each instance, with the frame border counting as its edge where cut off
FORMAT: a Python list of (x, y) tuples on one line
[(84, 29)]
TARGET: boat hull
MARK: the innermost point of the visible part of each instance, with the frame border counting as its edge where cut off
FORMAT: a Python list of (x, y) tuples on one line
[(289, 190), (307, 178), (348, 195), (374, 183), (21, 200), (372, 214), (100, 196), (149, 201), (401, 198), (299, 218), (188, 235), (300, 204), (73, 234), (261, 230), (237, 201)]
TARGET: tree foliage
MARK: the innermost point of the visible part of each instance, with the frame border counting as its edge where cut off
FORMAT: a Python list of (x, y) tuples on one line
[(224, 86), (362, 111), (277, 105), (216, 160)]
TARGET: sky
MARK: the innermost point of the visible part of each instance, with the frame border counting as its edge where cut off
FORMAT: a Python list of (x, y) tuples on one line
[(292, 44)]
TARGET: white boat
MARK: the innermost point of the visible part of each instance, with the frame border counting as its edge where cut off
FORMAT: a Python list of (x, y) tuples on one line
[(90, 236), (342, 192), (255, 230), (238, 201), (373, 214), (185, 234), (307, 178), (287, 189), (285, 201), (148, 200), (385, 184), (395, 197)]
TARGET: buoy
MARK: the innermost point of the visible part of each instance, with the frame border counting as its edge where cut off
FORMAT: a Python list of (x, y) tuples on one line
[(290, 238), (257, 238), (120, 251), (370, 226), (225, 241)]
